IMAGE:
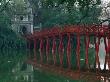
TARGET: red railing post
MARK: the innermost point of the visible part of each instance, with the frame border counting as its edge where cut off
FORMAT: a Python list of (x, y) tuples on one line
[(61, 50), (78, 31), (69, 51), (87, 41), (47, 49), (78, 52), (54, 50), (106, 56), (41, 51), (97, 42), (35, 57)]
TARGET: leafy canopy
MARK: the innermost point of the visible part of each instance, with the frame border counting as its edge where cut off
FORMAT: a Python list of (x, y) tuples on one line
[(63, 12)]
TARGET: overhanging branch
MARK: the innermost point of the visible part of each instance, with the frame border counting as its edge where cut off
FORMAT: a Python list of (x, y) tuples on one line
[(108, 19), (3, 8)]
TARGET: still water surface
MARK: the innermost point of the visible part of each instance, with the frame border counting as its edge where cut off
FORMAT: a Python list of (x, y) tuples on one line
[(13, 68)]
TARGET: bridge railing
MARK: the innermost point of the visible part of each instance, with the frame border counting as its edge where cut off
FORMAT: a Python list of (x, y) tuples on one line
[(44, 37)]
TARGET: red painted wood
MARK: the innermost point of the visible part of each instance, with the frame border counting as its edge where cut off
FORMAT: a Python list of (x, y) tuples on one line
[(97, 42), (61, 50), (93, 30), (47, 49), (54, 50), (87, 46), (106, 56), (69, 51), (41, 50), (35, 44), (78, 52)]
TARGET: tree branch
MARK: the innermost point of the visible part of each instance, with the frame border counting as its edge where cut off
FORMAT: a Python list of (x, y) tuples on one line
[(108, 19), (3, 8)]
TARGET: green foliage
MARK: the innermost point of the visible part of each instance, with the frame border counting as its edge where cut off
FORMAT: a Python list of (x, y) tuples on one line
[(50, 13), (8, 9), (4, 20), (8, 38)]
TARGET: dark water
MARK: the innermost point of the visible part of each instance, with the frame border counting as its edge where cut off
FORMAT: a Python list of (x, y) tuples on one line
[(13, 68)]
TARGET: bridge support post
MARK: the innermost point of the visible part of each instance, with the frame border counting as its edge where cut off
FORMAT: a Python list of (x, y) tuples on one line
[(47, 50), (106, 56), (54, 50), (41, 51), (35, 57), (61, 51), (69, 51), (78, 52), (108, 53), (97, 42), (87, 41)]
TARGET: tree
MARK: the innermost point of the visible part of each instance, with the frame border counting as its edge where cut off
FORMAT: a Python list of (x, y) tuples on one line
[(51, 13), (60, 12), (7, 37), (9, 8)]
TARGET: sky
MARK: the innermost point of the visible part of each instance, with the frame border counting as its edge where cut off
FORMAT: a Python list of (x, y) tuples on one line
[(105, 1)]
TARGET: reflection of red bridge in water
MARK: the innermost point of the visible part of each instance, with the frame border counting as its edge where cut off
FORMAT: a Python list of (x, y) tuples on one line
[(43, 38)]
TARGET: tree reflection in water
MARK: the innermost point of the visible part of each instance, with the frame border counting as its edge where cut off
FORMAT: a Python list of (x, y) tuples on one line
[(13, 68)]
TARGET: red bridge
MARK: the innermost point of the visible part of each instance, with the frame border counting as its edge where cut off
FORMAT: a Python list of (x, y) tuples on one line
[(45, 42)]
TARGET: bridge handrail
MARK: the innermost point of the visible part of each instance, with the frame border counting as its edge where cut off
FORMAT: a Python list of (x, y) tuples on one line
[(97, 30)]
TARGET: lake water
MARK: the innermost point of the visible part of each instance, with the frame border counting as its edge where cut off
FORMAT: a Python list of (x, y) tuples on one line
[(13, 68)]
